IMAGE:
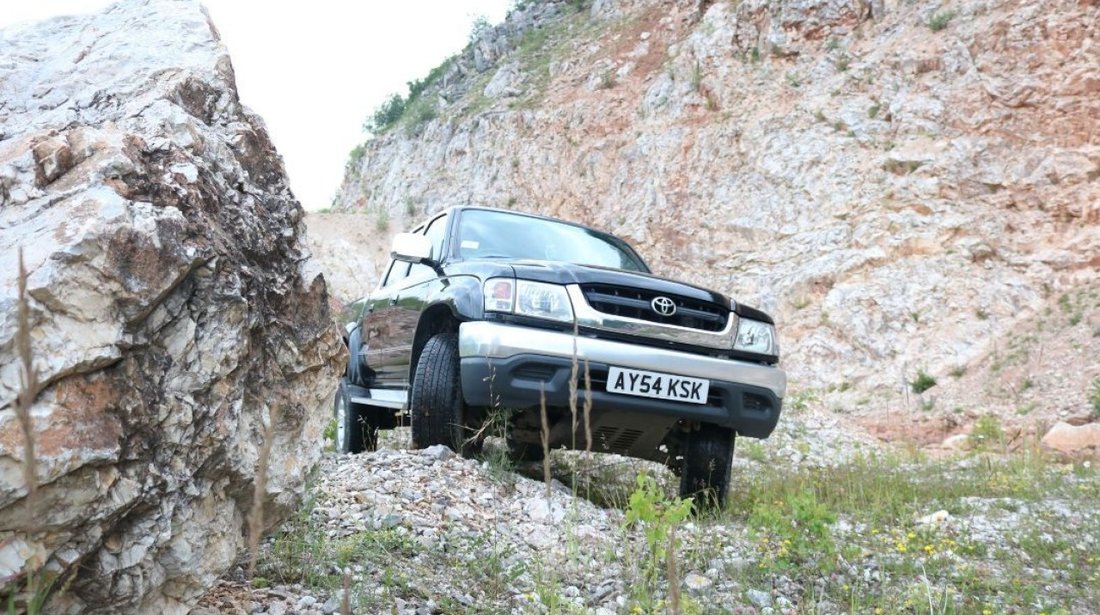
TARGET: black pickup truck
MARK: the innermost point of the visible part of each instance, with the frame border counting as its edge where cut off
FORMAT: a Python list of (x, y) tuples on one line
[(486, 310)]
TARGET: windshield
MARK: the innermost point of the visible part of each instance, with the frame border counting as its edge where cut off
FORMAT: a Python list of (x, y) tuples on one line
[(497, 234)]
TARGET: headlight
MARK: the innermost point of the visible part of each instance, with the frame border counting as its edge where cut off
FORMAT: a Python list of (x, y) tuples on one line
[(549, 301), (500, 294), (757, 337)]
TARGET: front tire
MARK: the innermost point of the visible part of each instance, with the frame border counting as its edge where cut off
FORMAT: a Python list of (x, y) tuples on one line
[(708, 460), (438, 412)]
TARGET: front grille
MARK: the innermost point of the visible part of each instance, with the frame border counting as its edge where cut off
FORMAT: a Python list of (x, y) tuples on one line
[(637, 303)]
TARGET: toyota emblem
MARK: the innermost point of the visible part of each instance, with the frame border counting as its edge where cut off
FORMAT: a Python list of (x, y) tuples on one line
[(663, 306)]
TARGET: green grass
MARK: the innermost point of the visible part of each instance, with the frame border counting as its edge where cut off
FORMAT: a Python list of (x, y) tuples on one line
[(794, 519), (987, 431)]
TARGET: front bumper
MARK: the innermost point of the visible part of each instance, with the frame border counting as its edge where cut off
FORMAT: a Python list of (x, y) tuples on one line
[(512, 367)]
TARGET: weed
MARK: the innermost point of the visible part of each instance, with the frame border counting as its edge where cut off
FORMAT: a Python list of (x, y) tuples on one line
[(901, 167), (842, 62), (712, 100), (981, 314), (382, 223), (922, 382), (940, 20), (819, 115), (754, 55), (1094, 398), (793, 80), (28, 391), (752, 449), (500, 463), (958, 371), (38, 584), (1064, 303), (329, 434), (832, 44), (420, 112), (795, 529), (545, 433), (872, 111), (987, 430), (478, 28), (659, 517), (801, 400), (696, 76)]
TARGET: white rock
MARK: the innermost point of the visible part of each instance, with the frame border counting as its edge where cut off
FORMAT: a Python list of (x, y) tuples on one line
[(696, 582), (936, 518)]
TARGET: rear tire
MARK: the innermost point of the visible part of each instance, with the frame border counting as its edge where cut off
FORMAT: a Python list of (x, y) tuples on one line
[(438, 412), (354, 369), (708, 460), (353, 433)]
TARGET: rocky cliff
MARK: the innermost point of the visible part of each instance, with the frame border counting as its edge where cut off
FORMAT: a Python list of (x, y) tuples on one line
[(906, 186), (175, 312)]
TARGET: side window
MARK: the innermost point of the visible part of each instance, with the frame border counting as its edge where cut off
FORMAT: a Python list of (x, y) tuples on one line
[(437, 234), (396, 272)]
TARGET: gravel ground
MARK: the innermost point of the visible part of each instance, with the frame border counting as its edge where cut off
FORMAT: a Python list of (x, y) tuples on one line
[(429, 532)]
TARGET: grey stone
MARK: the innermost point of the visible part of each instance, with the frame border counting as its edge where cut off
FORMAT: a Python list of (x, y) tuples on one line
[(439, 452), (759, 598), (175, 307)]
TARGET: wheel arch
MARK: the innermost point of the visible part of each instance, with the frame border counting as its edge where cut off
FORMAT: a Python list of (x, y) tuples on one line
[(439, 318)]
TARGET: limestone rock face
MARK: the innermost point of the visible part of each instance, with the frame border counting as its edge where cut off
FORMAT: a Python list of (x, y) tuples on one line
[(174, 308), (901, 197)]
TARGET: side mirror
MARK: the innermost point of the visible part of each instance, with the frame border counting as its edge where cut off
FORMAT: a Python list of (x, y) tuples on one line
[(411, 248)]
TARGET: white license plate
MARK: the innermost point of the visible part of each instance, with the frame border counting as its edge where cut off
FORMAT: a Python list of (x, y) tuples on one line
[(656, 385)]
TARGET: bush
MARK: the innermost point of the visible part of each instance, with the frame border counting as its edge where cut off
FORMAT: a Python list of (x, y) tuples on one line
[(355, 157), (940, 20), (386, 115), (923, 382)]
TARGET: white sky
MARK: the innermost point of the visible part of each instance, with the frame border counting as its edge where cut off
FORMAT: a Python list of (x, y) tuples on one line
[(315, 69)]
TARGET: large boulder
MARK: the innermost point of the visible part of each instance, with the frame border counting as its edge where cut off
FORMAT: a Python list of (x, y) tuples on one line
[(174, 311)]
